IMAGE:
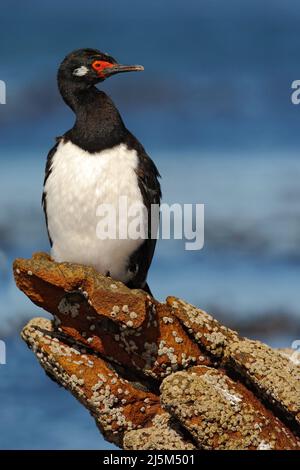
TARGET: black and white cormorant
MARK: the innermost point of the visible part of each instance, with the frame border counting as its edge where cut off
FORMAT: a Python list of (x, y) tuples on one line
[(95, 163)]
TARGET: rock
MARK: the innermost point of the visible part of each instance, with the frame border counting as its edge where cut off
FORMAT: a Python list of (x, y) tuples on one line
[(164, 434), (158, 375), (292, 354), (228, 416), (264, 369), (127, 325), (118, 404), (268, 372)]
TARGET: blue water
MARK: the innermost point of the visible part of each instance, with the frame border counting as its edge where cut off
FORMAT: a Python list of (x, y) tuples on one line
[(213, 109)]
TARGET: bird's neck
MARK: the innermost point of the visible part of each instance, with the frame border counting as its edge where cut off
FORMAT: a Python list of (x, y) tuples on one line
[(98, 123)]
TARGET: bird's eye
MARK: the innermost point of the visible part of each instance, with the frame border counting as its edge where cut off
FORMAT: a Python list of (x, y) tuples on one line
[(97, 64)]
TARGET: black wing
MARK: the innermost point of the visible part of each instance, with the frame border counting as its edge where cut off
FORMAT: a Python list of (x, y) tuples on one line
[(48, 170), (149, 185)]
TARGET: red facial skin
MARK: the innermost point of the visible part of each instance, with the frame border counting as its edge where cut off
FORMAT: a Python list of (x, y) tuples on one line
[(100, 66)]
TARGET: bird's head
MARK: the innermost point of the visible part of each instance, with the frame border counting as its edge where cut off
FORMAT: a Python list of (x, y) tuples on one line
[(90, 66)]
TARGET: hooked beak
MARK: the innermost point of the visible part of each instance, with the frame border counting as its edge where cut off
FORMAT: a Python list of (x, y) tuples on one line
[(118, 68)]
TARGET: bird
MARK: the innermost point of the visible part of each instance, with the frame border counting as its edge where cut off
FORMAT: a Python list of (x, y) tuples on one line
[(97, 162)]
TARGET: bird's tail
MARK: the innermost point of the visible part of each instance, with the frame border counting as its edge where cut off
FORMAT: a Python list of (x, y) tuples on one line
[(146, 288)]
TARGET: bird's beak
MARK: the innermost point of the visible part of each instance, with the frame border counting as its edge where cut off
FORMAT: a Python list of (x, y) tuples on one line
[(118, 68)]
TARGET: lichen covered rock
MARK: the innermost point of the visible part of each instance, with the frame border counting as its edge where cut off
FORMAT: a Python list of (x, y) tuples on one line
[(128, 326), (227, 416), (158, 375)]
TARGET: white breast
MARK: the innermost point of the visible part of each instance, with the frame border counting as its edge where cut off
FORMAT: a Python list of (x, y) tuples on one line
[(78, 183)]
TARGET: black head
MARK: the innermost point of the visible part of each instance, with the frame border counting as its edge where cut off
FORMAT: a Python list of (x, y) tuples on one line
[(90, 66)]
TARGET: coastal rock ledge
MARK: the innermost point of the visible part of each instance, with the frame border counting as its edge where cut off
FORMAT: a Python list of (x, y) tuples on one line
[(158, 375)]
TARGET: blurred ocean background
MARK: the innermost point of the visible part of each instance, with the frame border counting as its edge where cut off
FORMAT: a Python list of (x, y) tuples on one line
[(213, 110)]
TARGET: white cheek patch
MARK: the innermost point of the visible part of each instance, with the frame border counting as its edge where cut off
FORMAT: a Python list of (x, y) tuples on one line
[(81, 71)]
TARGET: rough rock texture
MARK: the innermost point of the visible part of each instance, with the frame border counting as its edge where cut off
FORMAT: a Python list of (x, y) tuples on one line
[(227, 415), (163, 434), (125, 325), (292, 354), (158, 375)]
